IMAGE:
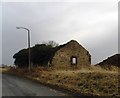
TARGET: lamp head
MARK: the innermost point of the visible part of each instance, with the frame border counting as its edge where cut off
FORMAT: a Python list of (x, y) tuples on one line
[(17, 27), (22, 28)]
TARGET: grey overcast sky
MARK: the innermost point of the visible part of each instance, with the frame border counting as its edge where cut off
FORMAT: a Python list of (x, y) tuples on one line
[(0, 32), (93, 24)]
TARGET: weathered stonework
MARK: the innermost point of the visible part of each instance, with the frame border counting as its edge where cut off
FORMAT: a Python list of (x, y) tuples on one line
[(62, 57)]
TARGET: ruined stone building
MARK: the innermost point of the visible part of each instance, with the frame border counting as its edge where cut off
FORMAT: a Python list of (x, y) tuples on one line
[(71, 54)]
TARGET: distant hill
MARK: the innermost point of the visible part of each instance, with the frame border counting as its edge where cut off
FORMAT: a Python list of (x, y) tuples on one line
[(111, 61)]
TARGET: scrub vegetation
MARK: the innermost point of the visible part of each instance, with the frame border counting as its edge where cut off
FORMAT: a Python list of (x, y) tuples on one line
[(41, 54), (92, 81)]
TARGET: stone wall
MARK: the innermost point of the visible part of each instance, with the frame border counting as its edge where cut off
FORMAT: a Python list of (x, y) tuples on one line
[(62, 57)]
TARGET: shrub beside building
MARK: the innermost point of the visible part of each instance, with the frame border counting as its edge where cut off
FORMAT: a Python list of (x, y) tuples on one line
[(71, 54)]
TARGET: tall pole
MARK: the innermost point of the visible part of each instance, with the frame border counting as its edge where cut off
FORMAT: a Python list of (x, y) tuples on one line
[(29, 57), (29, 47)]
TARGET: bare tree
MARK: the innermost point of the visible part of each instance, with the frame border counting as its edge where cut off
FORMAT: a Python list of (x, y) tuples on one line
[(50, 43)]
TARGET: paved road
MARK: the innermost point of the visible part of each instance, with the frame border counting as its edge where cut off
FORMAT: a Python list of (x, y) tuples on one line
[(15, 86)]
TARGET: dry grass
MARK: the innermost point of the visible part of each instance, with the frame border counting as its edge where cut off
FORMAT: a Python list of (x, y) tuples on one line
[(87, 81), (4, 69)]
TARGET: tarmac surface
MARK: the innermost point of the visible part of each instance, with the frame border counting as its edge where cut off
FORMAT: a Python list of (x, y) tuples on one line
[(16, 86)]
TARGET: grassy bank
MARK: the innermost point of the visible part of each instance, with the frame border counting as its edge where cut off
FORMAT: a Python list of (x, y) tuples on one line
[(89, 81)]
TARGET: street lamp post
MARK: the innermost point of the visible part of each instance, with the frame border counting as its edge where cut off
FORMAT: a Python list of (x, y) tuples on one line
[(28, 45)]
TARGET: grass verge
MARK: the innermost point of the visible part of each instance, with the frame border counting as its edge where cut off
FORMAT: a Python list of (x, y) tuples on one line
[(93, 81)]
